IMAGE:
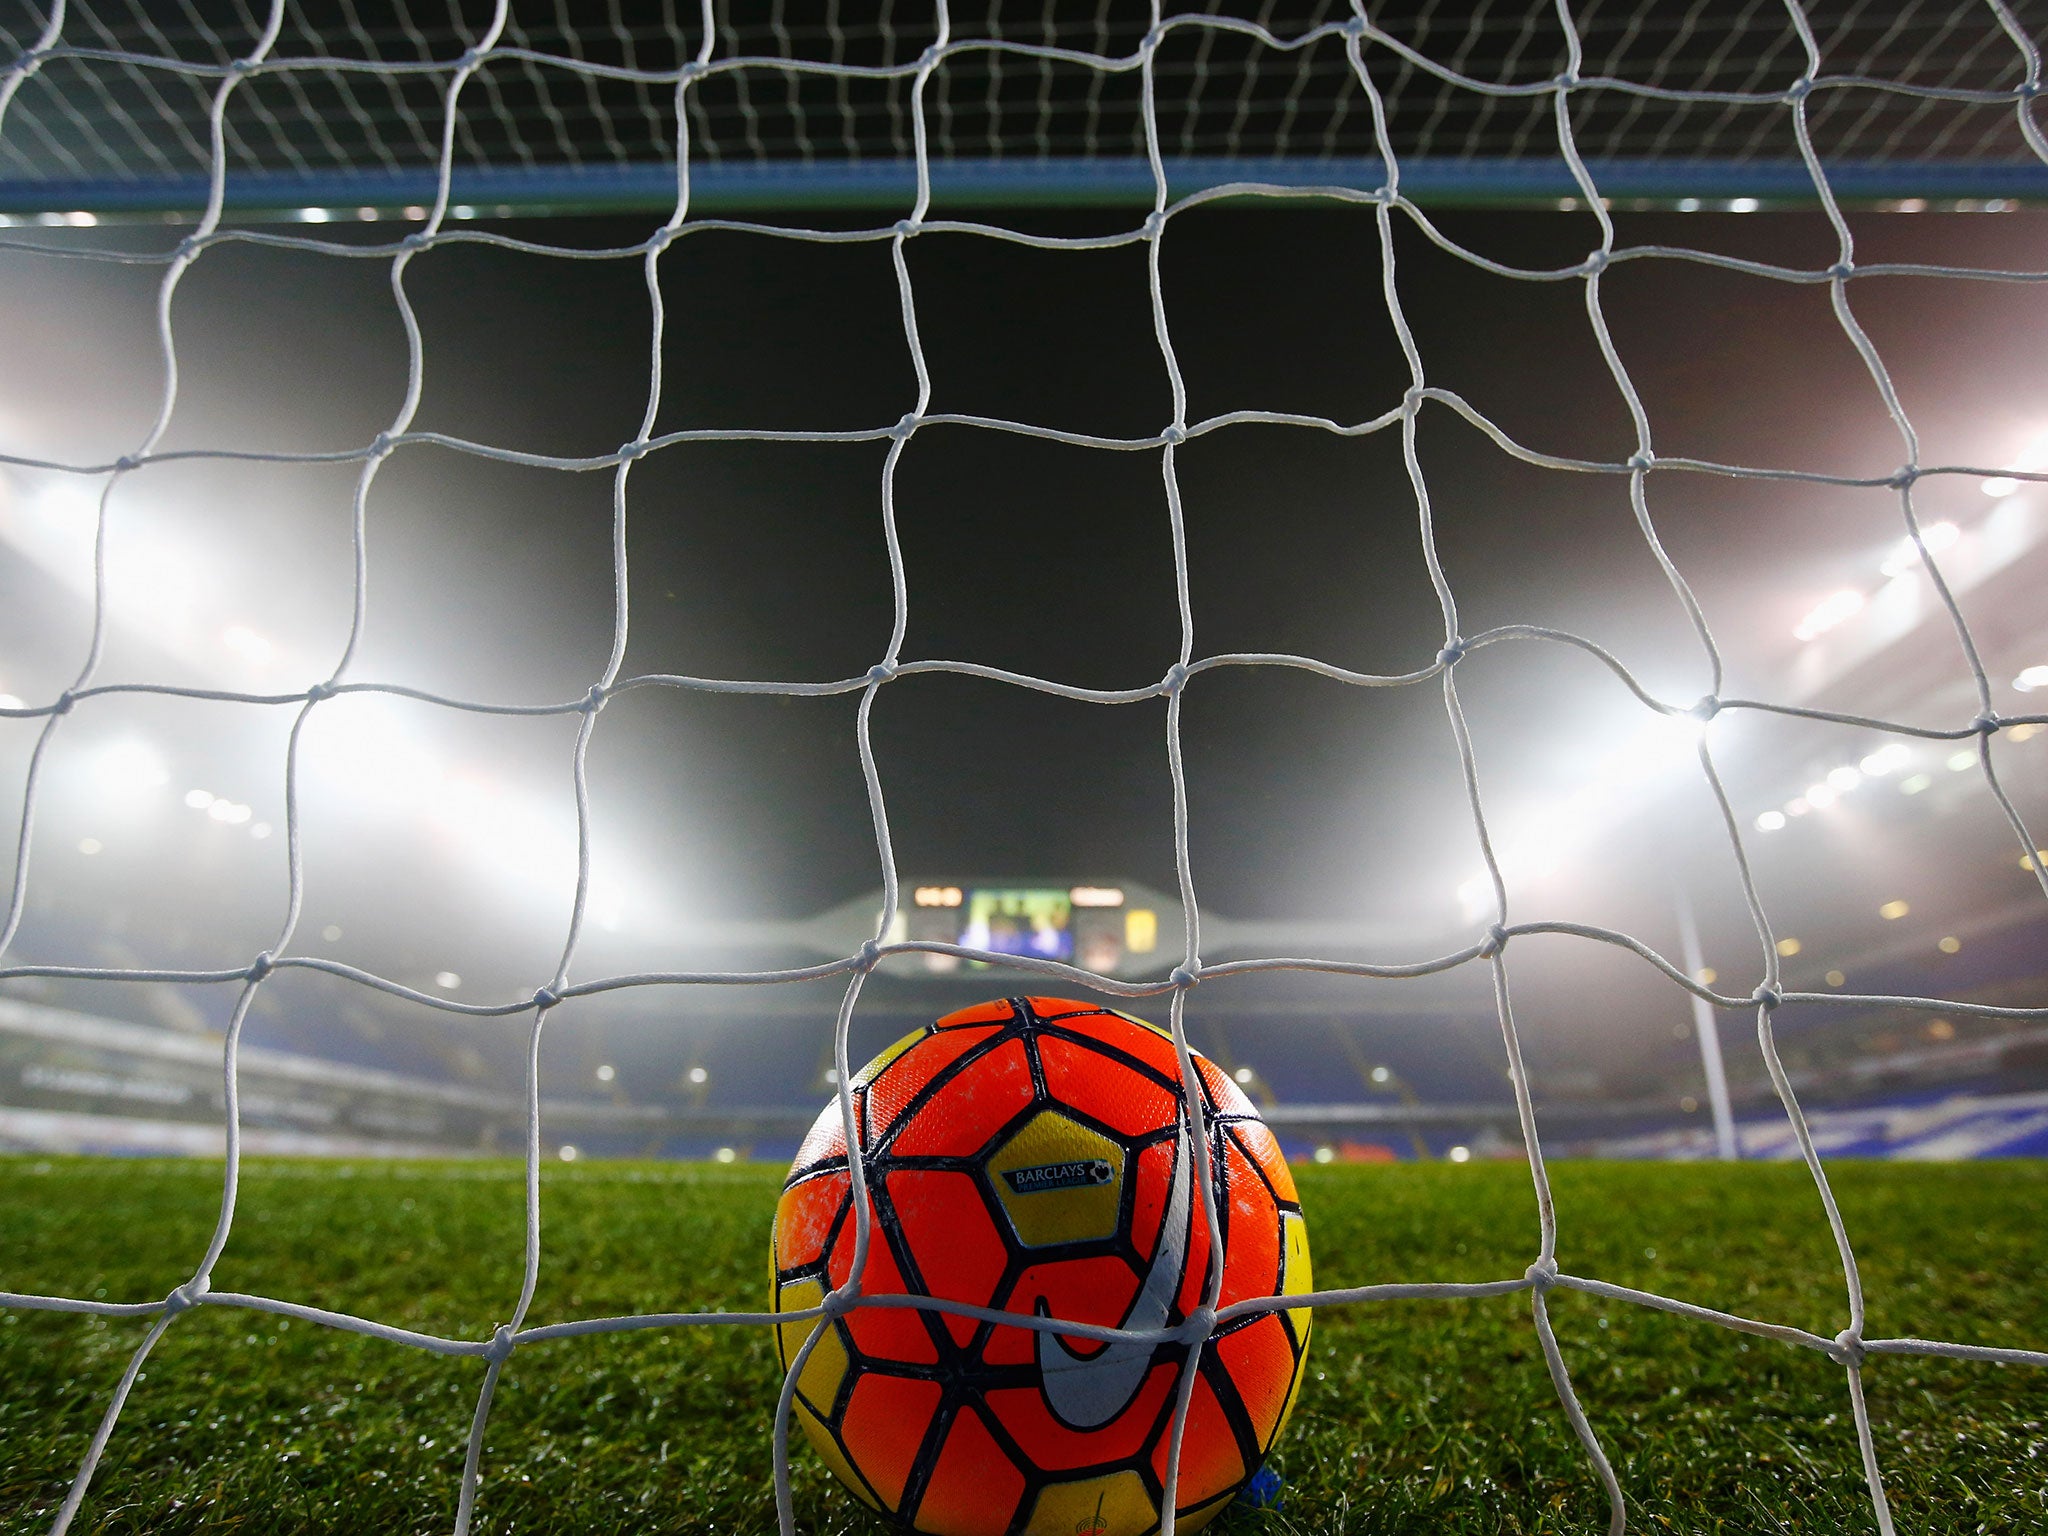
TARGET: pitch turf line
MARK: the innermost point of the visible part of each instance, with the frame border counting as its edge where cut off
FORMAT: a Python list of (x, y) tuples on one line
[(1419, 1417)]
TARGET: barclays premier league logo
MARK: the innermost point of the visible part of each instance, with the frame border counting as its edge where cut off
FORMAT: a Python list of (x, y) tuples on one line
[(1050, 1176)]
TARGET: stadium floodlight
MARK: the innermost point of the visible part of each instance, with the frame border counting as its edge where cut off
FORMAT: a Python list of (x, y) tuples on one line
[(1905, 555), (247, 644), (2032, 457), (447, 981), (1886, 759), (129, 771), (1770, 821), (1836, 608), (2031, 678)]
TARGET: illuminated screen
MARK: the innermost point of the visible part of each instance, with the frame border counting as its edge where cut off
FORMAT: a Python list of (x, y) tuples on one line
[(1019, 922), (1088, 925)]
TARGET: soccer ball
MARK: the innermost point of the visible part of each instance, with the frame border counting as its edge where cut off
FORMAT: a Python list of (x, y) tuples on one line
[(1031, 1155)]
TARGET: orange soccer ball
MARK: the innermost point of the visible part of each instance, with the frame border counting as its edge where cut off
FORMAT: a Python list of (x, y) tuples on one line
[(1030, 1155)]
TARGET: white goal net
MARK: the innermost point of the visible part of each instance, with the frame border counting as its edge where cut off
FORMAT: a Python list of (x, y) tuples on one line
[(152, 132)]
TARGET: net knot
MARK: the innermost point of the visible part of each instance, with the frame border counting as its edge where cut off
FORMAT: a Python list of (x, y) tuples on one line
[(1496, 941), (1906, 476), (1595, 262), (64, 702), (1642, 460), (1705, 708), (930, 58), (1799, 89), (1848, 1349), (545, 998), (261, 966), (321, 691), (1986, 725), (840, 1302), (869, 955), (1451, 654), (882, 672), (240, 66), (1542, 1274), (1183, 978), (502, 1344), (1767, 996), (1176, 678), (907, 425), (1199, 1325), (1567, 80), (907, 227), (637, 449), (1154, 225), (593, 701), (471, 58), (1175, 433), (380, 445), (126, 462), (1355, 27), (1841, 271), (187, 1296), (2029, 89)]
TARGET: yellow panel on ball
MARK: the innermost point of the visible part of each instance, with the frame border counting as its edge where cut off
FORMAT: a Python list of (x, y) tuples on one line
[(1115, 1505), (1058, 1181)]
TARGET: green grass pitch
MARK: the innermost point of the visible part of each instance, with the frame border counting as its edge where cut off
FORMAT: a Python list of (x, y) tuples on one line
[(1419, 1417)]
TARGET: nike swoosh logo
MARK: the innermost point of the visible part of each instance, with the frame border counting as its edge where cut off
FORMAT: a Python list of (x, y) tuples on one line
[(1088, 1393)]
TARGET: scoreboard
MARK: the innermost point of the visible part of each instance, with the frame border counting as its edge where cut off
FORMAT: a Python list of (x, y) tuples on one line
[(1102, 928)]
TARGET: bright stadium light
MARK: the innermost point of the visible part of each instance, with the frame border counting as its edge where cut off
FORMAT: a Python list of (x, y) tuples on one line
[(2031, 678), (1770, 821), (447, 981), (1834, 609), (128, 770), (1905, 555), (1821, 796), (10, 701), (199, 799), (2033, 456), (247, 644), (1244, 1075), (1885, 760), (1460, 1154), (606, 1072), (699, 1075), (1844, 779)]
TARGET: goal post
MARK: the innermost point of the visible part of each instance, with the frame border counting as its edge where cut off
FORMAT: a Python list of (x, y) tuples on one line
[(192, 139)]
